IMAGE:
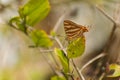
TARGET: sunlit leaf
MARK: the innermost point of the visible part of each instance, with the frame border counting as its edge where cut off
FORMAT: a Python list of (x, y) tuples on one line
[(64, 60), (17, 22), (58, 78), (76, 48), (40, 38), (114, 70), (52, 33), (34, 11)]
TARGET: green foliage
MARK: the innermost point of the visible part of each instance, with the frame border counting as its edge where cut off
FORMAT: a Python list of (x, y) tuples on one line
[(34, 11), (52, 33), (63, 58), (30, 14), (115, 68), (76, 48), (58, 78), (17, 22), (40, 38)]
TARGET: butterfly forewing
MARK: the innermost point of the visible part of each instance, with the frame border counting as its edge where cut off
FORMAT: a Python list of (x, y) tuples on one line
[(72, 29)]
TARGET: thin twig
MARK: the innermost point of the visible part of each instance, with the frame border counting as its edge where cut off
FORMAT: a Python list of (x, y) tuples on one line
[(54, 59), (102, 76), (44, 56), (50, 51), (61, 46), (46, 51), (92, 60), (11, 25), (113, 30), (104, 13), (77, 70), (57, 25), (61, 2)]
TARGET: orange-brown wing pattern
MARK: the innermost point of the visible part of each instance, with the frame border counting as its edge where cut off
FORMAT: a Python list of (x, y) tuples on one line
[(72, 29)]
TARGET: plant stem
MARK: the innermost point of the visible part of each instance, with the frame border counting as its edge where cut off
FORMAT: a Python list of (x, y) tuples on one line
[(65, 53), (54, 59), (114, 27), (92, 60), (77, 70), (104, 13), (61, 46), (44, 56)]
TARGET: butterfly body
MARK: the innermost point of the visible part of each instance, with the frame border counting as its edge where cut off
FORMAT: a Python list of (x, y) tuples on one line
[(73, 30)]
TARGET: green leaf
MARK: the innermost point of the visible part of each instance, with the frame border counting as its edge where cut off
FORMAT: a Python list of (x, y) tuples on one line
[(34, 11), (58, 78), (76, 47), (16, 22), (63, 58), (114, 70), (40, 38), (52, 33)]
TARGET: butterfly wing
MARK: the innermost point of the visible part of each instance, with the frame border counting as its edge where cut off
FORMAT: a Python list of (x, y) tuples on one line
[(72, 30)]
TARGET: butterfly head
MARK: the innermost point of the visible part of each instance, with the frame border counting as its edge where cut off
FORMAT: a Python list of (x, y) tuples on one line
[(85, 29)]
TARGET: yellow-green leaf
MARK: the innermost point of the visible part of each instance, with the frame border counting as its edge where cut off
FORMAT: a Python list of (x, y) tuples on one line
[(114, 70), (63, 58), (17, 22), (58, 78), (52, 33), (40, 38), (76, 47), (34, 11)]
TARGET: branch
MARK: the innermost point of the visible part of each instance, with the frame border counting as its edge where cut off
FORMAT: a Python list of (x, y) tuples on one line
[(92, 60), (54, 59), (104, 13), (61, 46), (57, 25), (77, 70), (113, 30), (44, 56)]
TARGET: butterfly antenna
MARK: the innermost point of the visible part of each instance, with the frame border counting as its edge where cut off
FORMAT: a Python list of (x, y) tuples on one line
[(89, 27)]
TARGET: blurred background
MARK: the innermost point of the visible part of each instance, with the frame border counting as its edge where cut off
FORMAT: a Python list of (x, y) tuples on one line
[(19, 62)]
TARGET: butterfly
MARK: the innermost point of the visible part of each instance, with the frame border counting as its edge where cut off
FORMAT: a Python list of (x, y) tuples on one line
[(74, 30)]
